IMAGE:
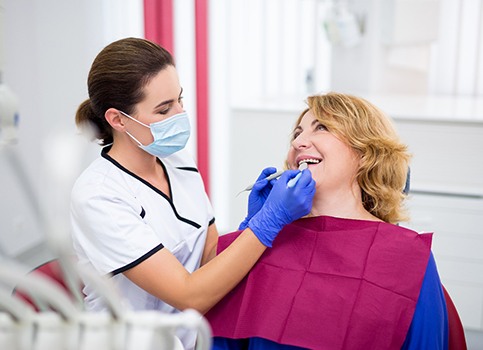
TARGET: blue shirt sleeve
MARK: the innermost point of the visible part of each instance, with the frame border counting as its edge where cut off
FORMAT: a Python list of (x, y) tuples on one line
[(429, 327)]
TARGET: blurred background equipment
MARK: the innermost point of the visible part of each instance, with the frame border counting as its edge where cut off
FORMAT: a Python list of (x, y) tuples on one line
[(9, 115)]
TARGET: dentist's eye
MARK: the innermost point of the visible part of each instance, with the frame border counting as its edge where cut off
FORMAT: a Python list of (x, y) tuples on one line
[(164, 111), (166, 108)]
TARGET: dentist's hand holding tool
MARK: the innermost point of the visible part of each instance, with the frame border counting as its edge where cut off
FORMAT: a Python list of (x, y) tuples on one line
[(271, 174), (261, 189), (293, 181), (283, 204), (259, 193)]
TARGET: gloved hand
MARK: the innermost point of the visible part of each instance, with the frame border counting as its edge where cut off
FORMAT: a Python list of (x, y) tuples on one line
[(283, 205), (258, 195)]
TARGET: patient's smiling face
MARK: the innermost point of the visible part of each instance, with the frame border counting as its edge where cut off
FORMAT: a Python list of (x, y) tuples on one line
[(332, 162)]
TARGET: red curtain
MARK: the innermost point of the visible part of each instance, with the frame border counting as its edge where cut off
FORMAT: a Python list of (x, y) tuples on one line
[(158, 27), (158, 23)]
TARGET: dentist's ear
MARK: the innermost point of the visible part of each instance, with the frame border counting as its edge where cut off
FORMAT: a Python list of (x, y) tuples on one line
[(115, 119)]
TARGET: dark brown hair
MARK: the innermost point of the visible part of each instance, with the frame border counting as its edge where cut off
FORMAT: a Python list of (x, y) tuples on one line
[(116, 80)]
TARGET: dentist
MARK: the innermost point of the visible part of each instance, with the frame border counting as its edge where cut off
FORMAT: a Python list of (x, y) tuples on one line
[(140, 214)]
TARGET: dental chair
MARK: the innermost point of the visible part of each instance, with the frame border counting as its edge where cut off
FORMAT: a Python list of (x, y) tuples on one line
[(456, 333), (50, 269)]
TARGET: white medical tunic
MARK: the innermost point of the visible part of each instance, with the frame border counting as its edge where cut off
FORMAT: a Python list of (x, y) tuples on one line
[(119, 220)]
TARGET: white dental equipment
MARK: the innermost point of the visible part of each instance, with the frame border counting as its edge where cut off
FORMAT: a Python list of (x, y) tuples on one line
[(66, 327), (291, 183), (15, 316), (150, 330), (15, 307), (37, 330), (8, 115), (39, 287)]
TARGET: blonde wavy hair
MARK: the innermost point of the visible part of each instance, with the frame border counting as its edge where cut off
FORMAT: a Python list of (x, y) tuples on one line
[(384, 158)]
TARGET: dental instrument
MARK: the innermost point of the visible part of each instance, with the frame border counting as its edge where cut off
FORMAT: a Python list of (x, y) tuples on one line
[(291, 183), (294, 180), (269, 178)]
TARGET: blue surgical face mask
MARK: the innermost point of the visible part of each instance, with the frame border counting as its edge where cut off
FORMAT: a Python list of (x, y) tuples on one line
[(170, 135)]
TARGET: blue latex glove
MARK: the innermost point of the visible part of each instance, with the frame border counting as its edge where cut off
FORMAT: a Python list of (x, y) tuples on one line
[(258, 195), (284, 204)]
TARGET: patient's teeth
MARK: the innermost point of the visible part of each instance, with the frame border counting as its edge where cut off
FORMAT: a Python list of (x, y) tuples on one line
[(309, 160)]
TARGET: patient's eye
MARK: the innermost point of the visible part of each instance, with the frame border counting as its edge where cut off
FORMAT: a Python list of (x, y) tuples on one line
[(296, 133), (320, 127)]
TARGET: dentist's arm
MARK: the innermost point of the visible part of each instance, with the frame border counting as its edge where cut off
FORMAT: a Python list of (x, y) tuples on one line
[(163, 276), (211, 244)]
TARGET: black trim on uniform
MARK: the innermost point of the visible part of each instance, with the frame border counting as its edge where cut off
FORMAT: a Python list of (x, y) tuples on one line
[(143, 213), (188, 168), (137, 261), (170, 200), (212, 221)]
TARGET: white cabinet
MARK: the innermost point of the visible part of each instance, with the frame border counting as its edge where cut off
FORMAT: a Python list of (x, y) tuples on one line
[(445, 137), (457, 247)]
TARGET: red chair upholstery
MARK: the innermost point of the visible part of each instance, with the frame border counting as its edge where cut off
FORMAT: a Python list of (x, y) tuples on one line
[(457, 340), (51, 270)]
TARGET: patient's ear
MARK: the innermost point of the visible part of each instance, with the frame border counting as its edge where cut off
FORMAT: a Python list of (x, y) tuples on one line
[(115, 119)]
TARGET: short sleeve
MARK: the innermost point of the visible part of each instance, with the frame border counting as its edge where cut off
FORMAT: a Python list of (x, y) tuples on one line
[(108, 229)]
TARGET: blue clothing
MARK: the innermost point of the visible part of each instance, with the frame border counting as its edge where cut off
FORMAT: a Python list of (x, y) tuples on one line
[(428, 330)]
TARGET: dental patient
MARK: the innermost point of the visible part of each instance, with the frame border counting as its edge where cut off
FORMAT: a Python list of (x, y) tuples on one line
[(346, 276)]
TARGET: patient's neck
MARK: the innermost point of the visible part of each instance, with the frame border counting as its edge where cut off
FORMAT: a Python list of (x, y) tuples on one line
[(341, 204)]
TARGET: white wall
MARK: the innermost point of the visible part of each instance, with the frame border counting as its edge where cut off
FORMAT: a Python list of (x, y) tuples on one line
[(261, 53), (48, 48)]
